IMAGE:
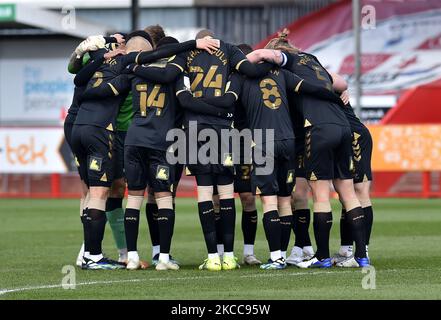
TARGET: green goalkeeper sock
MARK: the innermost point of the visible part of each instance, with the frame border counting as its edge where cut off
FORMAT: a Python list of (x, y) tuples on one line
[(115, 216)]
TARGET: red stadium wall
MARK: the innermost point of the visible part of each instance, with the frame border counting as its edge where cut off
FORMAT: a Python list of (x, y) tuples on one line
[(421, 105)]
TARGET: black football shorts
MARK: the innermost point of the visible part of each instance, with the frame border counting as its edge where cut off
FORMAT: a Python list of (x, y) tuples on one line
[(242, 178), (93, 149), (146, 166), (68, 126), (219, 161), (118, 154), (279, 178), (242, 171), (362, 155), (328, 152)]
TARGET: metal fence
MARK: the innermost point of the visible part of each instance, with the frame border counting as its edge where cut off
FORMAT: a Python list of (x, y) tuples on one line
[(252, 24), (235, 24)]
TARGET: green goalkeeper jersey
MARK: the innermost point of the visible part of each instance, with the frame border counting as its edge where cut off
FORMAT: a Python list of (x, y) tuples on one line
[(125, 113)]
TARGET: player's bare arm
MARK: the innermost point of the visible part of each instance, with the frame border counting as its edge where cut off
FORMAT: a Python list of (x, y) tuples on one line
[(338, 82), (270, 55)]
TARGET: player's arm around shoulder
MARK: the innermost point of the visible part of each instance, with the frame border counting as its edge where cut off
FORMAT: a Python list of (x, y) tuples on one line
[(162, 75), (301, 86)]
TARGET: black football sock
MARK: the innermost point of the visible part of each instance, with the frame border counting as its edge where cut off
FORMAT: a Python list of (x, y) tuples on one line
[(97, 225), (249, 226), (285, 231), (294, 223), (208, 223), (368, 221), (345, 230), (85, 223), (322, 229), (272, 227), (166, 221), (303, 219), (219, 237), (356, 222), (151, 212), (131, 225), (228, 221)]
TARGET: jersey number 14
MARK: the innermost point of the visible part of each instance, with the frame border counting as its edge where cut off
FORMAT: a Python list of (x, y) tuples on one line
[(152, 100)]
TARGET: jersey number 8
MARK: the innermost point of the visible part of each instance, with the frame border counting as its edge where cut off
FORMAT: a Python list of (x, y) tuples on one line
[(269, 89)]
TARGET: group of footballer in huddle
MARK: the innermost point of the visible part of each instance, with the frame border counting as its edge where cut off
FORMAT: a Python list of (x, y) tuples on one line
[(131, 90)]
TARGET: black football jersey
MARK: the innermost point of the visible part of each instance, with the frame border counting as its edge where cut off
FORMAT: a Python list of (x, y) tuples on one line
[(209, 76), (103, 112), (240, 116), (266, 103), (354, 121), (296, 111), (316, 111), (155, 109), (75, 105)]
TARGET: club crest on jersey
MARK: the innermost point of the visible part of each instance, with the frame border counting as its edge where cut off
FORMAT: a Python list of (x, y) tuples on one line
[(228, 160), (95, 163), (162, 173)]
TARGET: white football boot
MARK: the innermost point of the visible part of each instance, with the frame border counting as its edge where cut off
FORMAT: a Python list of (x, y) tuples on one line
[(296, 256), (308, 252), (343, 254), (80, 261), (251, 260), (133, 262), (307, 263), (170, 265)]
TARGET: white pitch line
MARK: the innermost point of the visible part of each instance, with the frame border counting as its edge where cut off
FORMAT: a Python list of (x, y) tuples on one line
[(263, 275), (52, 286)]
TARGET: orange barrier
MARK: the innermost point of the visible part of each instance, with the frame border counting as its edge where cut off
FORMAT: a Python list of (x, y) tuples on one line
[(406, 154), (406, 148)]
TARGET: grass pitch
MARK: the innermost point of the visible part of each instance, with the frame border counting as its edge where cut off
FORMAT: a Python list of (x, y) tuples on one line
[(39, 237)]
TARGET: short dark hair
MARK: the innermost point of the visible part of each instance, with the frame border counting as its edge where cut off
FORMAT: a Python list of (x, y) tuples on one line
[(204, 33), (245, 48), (156, 32), (166, 40), (140, 33)]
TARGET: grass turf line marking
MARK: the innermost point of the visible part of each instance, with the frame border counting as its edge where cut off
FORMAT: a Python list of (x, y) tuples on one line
[(53, 286), (263, 275), (5, 291)]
